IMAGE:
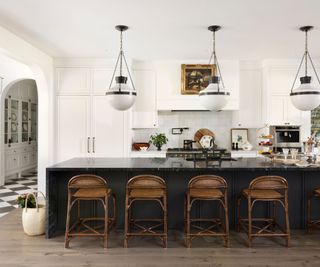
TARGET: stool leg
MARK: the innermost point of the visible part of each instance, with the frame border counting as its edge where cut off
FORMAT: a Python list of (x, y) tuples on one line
[(249, 222), (114, 210), (106, 222), (287, 220), (67, 239), (238, 213), (78, 216), (226, 220), (165, 222), (188, 241), (274, 215), (125, 243)]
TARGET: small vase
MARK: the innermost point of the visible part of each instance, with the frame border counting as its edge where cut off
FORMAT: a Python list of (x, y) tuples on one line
[(159, 148)]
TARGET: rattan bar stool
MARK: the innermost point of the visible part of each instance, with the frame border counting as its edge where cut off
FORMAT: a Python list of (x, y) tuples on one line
[(313, 223), (272, 189), (87, 187), (146, 188), (207, 188)]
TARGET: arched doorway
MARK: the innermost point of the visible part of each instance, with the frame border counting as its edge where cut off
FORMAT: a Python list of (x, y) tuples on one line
[(19, 138)]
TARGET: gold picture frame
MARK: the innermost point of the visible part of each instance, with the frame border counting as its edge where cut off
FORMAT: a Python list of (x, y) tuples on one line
[(195, 77)]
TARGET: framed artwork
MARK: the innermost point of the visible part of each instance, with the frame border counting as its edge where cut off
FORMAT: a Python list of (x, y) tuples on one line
[(195, 77), (239, 136)]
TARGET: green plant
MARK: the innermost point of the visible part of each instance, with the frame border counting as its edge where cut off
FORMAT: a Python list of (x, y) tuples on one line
[(31, 202), (158, 140)]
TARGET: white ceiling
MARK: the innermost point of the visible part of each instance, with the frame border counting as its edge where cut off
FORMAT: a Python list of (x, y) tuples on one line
[(165, 29)]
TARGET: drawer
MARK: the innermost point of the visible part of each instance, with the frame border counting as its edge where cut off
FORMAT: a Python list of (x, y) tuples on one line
[(24, 159), (11, 162)]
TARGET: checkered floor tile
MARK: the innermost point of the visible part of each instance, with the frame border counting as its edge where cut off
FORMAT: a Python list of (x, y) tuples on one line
[(12, 189)]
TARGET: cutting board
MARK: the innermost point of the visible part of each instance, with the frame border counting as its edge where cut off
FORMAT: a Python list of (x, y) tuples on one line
[(201, 132)]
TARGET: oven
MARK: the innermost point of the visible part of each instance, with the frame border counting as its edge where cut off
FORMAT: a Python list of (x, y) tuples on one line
[(286, 137)]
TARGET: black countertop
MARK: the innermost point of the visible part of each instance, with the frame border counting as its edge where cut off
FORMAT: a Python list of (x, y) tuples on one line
[(170, 164)]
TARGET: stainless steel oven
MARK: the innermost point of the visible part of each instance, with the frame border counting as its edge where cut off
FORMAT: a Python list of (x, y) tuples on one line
[(286, 136)]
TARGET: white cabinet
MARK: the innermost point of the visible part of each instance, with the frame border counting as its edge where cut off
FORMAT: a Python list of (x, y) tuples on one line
[(89, 127), (108, 131), (144, 112), (73, 126), (277, 107), (73, 81), (249, 113)]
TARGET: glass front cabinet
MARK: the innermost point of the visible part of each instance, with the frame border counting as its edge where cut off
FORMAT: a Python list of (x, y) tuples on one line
[(20, 134), (20, 122)]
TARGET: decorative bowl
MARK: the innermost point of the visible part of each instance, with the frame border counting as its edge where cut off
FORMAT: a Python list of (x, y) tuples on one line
[(140, 146)]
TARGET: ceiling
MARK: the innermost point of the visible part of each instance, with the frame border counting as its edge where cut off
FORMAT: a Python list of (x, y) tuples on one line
[(165, 29)]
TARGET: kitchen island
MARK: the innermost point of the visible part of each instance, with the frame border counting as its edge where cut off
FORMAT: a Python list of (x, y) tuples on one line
[(177, 172)]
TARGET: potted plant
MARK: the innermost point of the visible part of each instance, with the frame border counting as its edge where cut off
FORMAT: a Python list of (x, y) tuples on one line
[(33, 214), (158, 140)]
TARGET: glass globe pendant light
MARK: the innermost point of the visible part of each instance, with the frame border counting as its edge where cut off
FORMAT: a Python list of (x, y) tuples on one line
[(121, 96), (306, 96), (214, 96)]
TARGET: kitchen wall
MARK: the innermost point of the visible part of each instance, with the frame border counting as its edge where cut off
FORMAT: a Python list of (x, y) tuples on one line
[(218, 122)]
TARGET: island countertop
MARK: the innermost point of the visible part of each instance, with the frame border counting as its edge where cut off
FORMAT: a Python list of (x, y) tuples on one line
[(171, 164)]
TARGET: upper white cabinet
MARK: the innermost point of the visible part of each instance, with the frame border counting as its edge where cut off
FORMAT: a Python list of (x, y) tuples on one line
[(73, 81), (250, 88), (101, 79), (169, 95), (144, 111), (278, 109)]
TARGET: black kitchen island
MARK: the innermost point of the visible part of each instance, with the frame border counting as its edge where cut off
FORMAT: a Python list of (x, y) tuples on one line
[(177, 172)]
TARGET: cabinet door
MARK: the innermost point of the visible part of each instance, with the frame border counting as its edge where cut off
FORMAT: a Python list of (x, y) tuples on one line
[(73, 123), (144, 110), (277, 109), (108, 132)]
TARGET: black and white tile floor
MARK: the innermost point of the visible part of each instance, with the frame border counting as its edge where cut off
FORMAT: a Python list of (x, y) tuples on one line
[(12, 189)]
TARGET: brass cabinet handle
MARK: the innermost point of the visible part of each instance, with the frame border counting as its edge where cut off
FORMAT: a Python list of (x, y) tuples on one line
[(93, 144), (88, 145)]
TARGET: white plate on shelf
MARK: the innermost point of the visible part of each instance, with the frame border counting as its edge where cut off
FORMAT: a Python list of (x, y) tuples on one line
[(14, 116), (205, 141)]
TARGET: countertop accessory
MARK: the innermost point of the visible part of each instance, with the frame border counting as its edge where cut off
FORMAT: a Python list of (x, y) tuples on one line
[(201, 132), (121, 96), (140, 146), (307, 95), (178, 130), (206, 141), (158, 140), (240, 136), (187, 144), (214, 96)]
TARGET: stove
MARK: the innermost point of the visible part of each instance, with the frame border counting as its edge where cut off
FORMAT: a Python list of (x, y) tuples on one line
[(199, 154)]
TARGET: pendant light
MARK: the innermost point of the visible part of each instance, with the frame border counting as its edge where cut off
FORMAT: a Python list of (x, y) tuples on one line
[(306, 96), (121, 96), (214, 97)]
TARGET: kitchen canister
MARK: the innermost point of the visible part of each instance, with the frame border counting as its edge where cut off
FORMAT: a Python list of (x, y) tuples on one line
[(33, 219)]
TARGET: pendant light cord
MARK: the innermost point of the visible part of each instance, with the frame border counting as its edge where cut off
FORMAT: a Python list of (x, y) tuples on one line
[(306, 54), (121, 52)]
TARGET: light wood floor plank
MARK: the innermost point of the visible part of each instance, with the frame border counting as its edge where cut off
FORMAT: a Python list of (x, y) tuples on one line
[(17, 249)]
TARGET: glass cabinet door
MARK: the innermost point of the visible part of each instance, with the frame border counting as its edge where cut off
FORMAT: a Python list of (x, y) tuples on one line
[(24, 121), (6, 119), (14, 117), (34, 119)]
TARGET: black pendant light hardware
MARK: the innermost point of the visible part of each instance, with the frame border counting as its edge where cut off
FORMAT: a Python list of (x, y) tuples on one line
[(121, 58), (306, 56), (217, 76)]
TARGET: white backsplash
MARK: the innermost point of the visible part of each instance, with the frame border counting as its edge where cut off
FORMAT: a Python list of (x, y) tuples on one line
[(218, 122)]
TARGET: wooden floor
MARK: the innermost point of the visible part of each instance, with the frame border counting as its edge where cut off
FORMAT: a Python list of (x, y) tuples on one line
[(17, 249)]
